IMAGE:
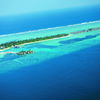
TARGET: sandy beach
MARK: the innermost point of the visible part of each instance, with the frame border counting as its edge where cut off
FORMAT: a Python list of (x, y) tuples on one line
[(34, 42)]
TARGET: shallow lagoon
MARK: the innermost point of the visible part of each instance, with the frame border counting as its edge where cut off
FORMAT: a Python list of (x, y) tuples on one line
[(48, 49)]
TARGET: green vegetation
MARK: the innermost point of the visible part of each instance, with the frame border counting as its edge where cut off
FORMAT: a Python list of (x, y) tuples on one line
[(14, 43)]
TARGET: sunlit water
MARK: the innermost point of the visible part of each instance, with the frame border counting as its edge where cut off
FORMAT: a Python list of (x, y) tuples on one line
[(60, 69)]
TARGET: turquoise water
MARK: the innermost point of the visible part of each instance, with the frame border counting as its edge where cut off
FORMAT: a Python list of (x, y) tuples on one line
[(52, 48), (60, 69)]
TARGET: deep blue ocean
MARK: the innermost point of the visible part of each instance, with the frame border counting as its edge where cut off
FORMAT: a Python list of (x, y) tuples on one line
[(74, 76)]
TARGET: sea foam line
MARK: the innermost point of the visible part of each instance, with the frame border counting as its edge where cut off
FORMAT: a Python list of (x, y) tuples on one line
[(50, 28)]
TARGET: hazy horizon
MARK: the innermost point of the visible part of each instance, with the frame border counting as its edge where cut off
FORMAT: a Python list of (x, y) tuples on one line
[(17, 7)]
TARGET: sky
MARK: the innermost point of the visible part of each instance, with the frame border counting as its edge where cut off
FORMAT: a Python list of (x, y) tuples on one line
[(15, 7)]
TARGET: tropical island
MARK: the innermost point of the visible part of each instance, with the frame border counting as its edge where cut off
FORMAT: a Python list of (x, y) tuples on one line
[(21, 42), (16, 44)]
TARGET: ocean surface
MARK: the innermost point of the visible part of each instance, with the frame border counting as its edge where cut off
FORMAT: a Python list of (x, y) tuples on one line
[(73, 76)]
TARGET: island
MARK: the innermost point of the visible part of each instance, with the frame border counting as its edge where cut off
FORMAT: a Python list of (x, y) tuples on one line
[(24, 39), (32, 40), (18, 50), (21, 42)]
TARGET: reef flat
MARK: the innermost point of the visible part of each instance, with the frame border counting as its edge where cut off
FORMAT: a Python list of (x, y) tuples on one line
[(80, 36)]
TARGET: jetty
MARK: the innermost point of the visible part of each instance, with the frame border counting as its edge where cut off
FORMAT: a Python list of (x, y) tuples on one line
[(7, 52)]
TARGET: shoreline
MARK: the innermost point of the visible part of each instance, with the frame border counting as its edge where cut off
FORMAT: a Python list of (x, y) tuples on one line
[(12, 44), (34, 42)]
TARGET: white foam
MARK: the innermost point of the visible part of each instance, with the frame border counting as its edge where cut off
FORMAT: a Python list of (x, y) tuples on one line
[(49, 28)]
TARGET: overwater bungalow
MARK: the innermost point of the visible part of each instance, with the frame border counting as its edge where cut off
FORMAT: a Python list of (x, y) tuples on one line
[(24, 52)]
